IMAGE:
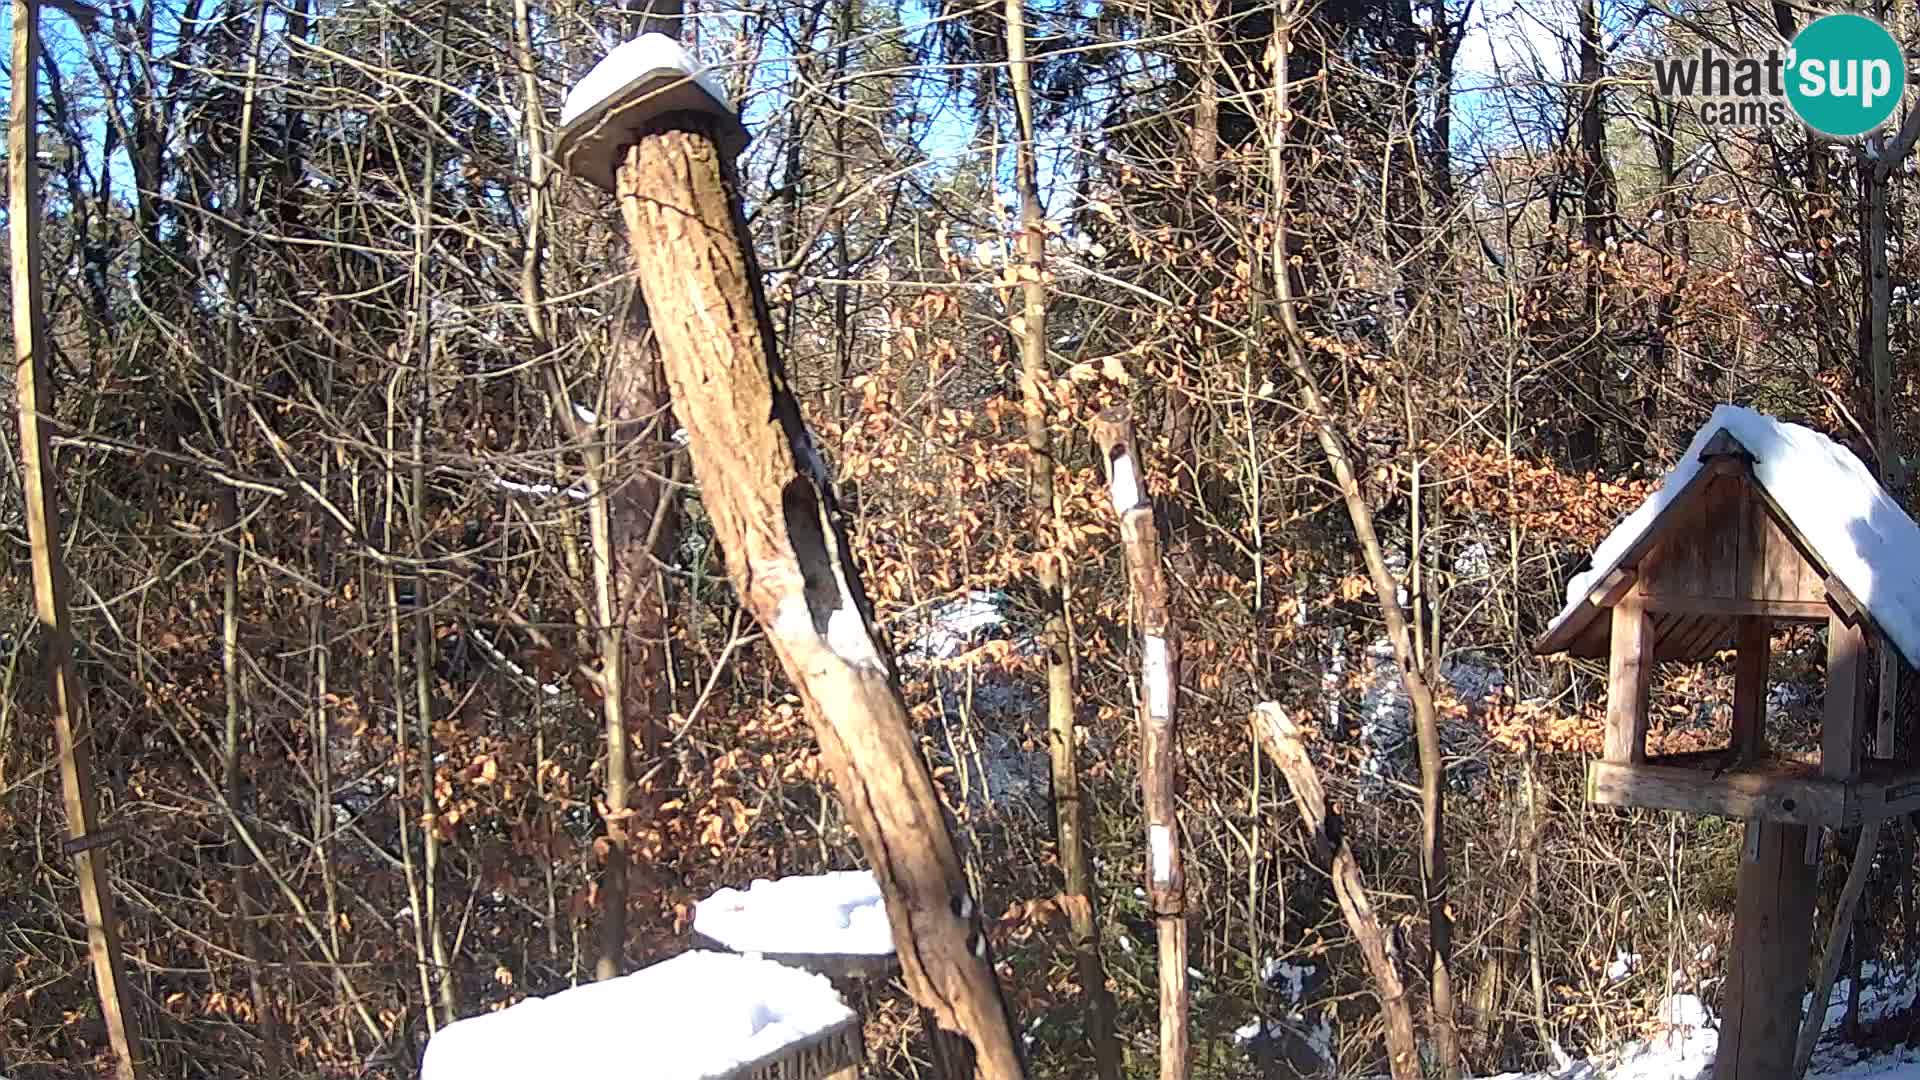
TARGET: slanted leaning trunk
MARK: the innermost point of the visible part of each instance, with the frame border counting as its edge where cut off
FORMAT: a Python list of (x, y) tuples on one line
[(1433, 851), (771, 501), (1278, 736), (1159, 705)]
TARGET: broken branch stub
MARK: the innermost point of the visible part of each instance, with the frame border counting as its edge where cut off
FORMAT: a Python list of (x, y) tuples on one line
[(771, 501), (1276, 733)]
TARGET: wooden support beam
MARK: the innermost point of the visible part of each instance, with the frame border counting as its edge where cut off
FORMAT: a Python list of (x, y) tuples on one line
[(1816, 1017), (774, 513), (73, 736), (1159, 705), (1843, 600), (1767, 966), (1629, 674), (1807, 610), (1846, 685), (1753, 651), (1773, 796), (1608, 590)]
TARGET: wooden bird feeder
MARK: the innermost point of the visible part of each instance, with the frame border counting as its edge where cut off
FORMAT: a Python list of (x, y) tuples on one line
[(1762, 524)]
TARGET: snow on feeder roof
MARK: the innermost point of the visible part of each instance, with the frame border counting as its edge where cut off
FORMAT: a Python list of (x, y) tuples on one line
[(834, 922), (698, 1016), (1816, 496), (638, 82)]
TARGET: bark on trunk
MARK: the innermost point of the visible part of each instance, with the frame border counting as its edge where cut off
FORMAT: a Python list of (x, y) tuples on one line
[(1068, 806), (1159, 707), (773, 511)]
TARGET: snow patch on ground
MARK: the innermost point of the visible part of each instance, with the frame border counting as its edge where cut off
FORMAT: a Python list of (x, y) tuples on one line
[(1305, 1044), (1683, 1045), (1624, 964), (698, 1015), (836, 913), (955, 626), (1386, 716)]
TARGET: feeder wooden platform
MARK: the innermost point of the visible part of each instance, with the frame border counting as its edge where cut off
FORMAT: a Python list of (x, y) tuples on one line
[(1775, 789)]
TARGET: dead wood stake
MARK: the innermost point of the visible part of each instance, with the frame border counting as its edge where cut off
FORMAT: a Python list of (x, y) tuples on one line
[(1159, 705)]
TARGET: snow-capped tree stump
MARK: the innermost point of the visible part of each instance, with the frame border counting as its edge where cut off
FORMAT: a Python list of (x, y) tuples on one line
[(1159, 694), (832, 924), (773, 511)]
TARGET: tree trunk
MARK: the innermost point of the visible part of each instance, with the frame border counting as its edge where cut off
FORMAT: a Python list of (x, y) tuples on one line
[(66, 700), (1433, 854), (773, 512), (1877, 357), (1277, 735), (246, 902), (1068, 807), (1159, 707), (1596, 225)]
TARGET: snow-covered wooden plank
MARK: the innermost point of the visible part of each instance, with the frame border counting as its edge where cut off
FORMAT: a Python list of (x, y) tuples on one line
[(698, 1016), (833, 923)]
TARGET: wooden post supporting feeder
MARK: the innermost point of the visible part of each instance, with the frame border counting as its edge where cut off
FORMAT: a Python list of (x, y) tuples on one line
[(1159, 694), (1761, 524), (772, 504)]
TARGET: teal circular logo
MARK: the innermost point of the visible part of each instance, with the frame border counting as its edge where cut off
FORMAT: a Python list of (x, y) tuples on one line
[(1845, 75)]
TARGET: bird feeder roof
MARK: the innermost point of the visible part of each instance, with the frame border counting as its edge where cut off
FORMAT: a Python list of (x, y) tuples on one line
[(1816, 492)]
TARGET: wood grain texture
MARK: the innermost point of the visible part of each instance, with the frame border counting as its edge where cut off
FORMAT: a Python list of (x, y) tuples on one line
[(766, 492), (1767, 965), (1846, 685), (1629, 672), (1693, 789), (1753, 654)]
